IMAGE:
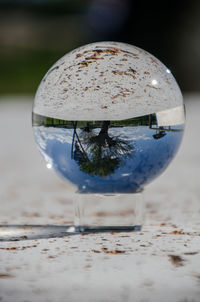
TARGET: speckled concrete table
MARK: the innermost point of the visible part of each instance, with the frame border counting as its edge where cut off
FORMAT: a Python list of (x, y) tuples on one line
[(160, 263)]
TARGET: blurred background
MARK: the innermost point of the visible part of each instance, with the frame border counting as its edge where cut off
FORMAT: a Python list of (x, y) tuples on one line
[(36, 33)]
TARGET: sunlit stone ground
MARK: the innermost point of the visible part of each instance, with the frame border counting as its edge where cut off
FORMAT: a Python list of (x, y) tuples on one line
[(160, 263)]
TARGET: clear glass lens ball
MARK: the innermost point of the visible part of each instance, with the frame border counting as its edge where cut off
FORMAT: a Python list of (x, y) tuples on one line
[(108, 117)]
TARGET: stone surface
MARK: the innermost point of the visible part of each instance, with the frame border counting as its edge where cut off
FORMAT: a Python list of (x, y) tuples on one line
[(160, 263)]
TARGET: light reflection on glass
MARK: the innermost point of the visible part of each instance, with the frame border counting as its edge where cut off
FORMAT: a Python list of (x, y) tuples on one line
[(154, 82)]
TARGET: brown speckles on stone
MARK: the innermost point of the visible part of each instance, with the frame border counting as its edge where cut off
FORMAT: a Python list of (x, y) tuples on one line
[(146, 72), (132, 70), (126, 73), (63, 82), (79, 55), (83, 64), (154, 61), (124, 90), (96, 53), (167, 81), (23, 237), (95, 56), (87, 87), (51, 257), (18, 248), (112, 252), (8, 248), (5, 276), (177, 232), (190, 253), (129, 54), (99, 51), (121, 94), (109, 50), (95, 251), (106, 251), (176, 260)]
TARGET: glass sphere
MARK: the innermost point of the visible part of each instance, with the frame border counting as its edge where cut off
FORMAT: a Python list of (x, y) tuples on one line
[(108, 117)]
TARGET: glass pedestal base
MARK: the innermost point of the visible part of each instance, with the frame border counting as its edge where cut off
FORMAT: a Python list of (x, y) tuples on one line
[(109, 212)]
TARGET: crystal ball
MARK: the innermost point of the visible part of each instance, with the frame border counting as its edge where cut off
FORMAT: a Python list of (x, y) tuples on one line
[(108, 117)]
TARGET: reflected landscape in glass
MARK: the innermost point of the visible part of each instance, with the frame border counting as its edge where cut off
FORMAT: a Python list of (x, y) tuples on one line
[(107, 156)]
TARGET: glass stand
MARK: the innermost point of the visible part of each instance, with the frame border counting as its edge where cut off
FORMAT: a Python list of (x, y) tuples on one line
[(109, 212)]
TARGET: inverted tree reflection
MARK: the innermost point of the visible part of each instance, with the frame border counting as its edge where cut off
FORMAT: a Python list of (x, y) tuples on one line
[(97, 152)]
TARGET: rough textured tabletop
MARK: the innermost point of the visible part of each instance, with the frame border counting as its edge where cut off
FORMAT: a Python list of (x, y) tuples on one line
[(160, 263)]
